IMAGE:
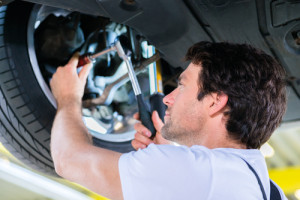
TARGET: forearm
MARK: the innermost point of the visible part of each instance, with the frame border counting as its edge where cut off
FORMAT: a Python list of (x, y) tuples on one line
[(74, 156), (69, 134)]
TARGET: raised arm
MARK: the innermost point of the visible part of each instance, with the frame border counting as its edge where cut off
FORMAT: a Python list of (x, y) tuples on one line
[(74, 156)]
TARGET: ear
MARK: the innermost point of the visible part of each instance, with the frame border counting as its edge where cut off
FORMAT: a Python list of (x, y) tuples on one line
[(218, 102)]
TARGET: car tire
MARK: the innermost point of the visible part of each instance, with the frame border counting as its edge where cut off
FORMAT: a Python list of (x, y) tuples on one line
[(26, 114)]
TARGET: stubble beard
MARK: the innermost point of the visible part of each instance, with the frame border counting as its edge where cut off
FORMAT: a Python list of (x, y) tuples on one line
[(176, 132), (173, 132)]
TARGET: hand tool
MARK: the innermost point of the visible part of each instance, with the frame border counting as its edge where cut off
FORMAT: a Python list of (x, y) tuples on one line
[(90, 58), (107, 96), (156, 87), (144, 112)]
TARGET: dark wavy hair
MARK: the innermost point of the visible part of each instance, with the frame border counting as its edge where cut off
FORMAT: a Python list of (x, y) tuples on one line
[(255, 85)]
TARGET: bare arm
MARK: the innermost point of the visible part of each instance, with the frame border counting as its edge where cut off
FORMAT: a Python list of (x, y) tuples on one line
[(74, 156)]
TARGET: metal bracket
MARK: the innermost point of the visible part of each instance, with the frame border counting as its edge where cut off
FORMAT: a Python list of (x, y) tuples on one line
[(108, 93)]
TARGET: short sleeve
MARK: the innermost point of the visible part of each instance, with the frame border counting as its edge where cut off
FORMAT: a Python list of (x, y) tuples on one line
[(165, 172)]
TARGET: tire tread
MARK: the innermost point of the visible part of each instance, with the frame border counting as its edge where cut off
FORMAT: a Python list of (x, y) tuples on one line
[(13, 134)]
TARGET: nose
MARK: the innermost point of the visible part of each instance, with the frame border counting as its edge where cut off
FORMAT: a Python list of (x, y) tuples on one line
[(169, 99)]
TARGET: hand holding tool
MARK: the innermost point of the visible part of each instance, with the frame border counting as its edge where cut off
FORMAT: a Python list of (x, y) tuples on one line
[(90, 58), (144, 112), (156, 87)]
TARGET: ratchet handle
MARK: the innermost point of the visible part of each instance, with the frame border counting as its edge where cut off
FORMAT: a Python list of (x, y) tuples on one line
[(156, 102), (145, 115), (83, 60)]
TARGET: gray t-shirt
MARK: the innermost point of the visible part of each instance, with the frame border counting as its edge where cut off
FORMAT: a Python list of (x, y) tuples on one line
[(179, 172)]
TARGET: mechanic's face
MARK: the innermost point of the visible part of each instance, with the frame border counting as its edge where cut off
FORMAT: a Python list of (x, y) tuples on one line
[(185, 115)]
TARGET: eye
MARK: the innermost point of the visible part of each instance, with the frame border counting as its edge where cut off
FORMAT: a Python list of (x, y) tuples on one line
[(179, 83)]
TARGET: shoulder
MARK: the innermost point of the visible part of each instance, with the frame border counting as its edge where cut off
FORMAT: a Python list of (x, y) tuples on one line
[(167, 156), (207, 171), (166, 167), (196, 156), (169, 152), (195, 152)]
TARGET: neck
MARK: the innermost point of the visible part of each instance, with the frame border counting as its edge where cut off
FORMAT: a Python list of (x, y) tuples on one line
[(213, 143), (227, 144), (213, 135)]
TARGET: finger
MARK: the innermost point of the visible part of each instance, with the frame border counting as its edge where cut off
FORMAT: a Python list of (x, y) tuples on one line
[(157, 122), (142, 139), (59, 68), (142, 129), (136, 116), (73, 62), (84, 72), (137, 145), (51, 83), (55, 74)]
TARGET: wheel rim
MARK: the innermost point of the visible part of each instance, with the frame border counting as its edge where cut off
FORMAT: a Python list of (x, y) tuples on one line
[(95, 127), (32, 55)]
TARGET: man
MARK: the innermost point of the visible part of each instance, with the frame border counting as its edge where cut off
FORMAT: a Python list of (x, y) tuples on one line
[(227, 104)]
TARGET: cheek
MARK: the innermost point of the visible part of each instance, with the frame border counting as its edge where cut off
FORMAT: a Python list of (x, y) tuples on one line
[(191, 108), (184, 102), (182, 106)]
